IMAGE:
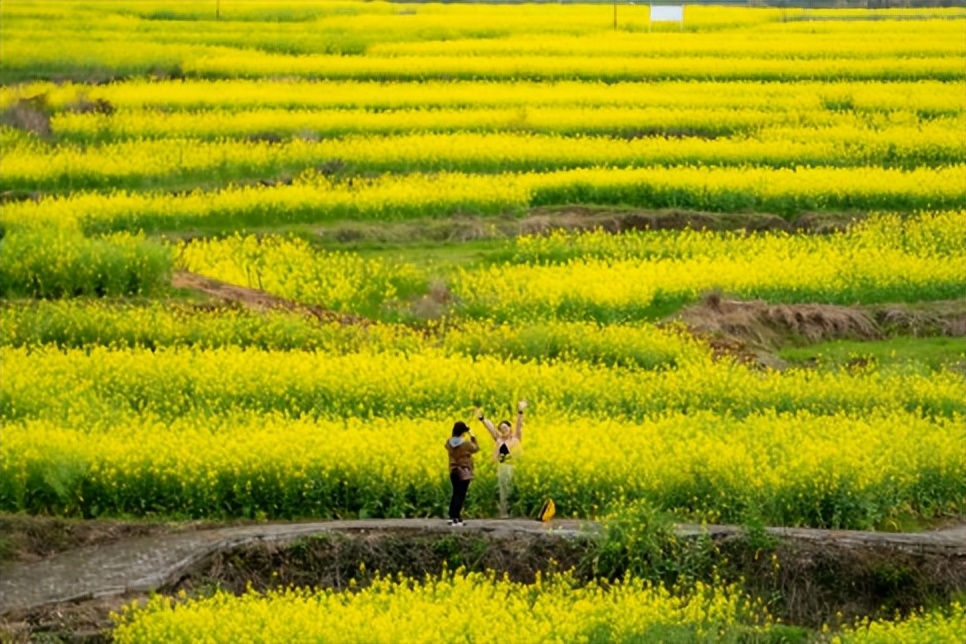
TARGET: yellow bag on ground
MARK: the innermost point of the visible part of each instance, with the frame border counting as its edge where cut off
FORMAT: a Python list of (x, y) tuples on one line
[(547, 511)]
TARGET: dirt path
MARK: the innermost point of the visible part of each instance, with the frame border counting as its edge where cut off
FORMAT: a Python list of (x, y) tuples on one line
[(256, 299), (154, 562)]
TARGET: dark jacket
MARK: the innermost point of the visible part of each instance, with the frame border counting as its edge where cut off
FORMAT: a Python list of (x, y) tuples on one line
[(461, 452)]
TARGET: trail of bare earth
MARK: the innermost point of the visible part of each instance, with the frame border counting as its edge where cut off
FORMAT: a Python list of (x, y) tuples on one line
[(144, 564), (256, 299)]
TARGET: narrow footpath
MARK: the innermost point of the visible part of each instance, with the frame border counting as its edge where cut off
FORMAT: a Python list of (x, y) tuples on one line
[(149, 563)]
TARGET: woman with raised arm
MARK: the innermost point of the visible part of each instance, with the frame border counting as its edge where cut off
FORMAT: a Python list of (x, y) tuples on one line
[(508, 446), (460, 453)]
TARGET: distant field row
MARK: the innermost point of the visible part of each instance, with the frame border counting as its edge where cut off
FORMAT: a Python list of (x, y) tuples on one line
[(179, 162), (881, 40), (256, 65), (277, 124), (84, 323), (88, 323), (800, 97), (547, 42), (544, 280), (313, 198), (117, 59), (429, 21)]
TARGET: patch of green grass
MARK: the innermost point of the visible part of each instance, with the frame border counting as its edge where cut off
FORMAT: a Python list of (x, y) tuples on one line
[(432, 254), (929, 352)]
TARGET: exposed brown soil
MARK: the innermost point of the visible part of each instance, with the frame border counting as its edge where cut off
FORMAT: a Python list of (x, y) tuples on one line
[(806, 577), (769, 325), (87, 621), (257, 299), (815, 578), (331, 561), (28, 114), (13, 196), (461, 227), (617, 219), (928, 318), (26, 538), (811, 583), (748, 331), (83, 105), (746, 327)]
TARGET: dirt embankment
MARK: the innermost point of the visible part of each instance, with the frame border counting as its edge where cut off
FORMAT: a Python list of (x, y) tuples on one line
[(772, 325), (805, 576), (752, 331)]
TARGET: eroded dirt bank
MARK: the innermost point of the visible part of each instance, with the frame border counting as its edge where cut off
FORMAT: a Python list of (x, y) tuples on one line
[(806, 576)]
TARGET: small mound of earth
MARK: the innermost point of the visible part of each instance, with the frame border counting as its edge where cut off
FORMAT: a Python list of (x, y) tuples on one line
[(770, 325), (757, 323)]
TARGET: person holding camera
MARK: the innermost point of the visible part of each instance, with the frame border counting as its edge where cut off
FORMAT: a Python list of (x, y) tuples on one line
[(508, 445), (460, 453)]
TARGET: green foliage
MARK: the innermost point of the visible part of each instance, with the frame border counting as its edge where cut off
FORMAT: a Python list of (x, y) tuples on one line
[(756, 536), (61, 262), (695, 634), (901, 352), (639, 539)]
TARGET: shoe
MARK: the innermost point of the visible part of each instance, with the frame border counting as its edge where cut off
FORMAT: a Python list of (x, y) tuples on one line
[(453, 522)]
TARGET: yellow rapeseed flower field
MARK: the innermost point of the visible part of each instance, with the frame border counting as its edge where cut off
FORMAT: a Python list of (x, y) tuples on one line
[(135, 162), (603, 277), (709, 438), (241, 129), (461, 606), (457, 606)]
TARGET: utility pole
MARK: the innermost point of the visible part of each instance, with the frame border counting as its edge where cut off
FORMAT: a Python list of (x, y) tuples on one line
[(217, 9), (615, 15)]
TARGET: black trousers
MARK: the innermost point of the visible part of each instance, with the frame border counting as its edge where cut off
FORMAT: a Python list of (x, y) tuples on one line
[(459, 494)]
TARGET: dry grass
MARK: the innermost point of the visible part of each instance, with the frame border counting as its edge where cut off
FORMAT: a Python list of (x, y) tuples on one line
[(621, 219), (946, 318), (772, 325), (29, 115)]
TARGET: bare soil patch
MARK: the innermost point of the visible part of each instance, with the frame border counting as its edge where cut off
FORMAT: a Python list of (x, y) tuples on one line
[(462, 227), (622, 219), (946, 318), (771, 325), (29, 115), (257, 299), (87, 621), (26, 538), (744, 327)]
